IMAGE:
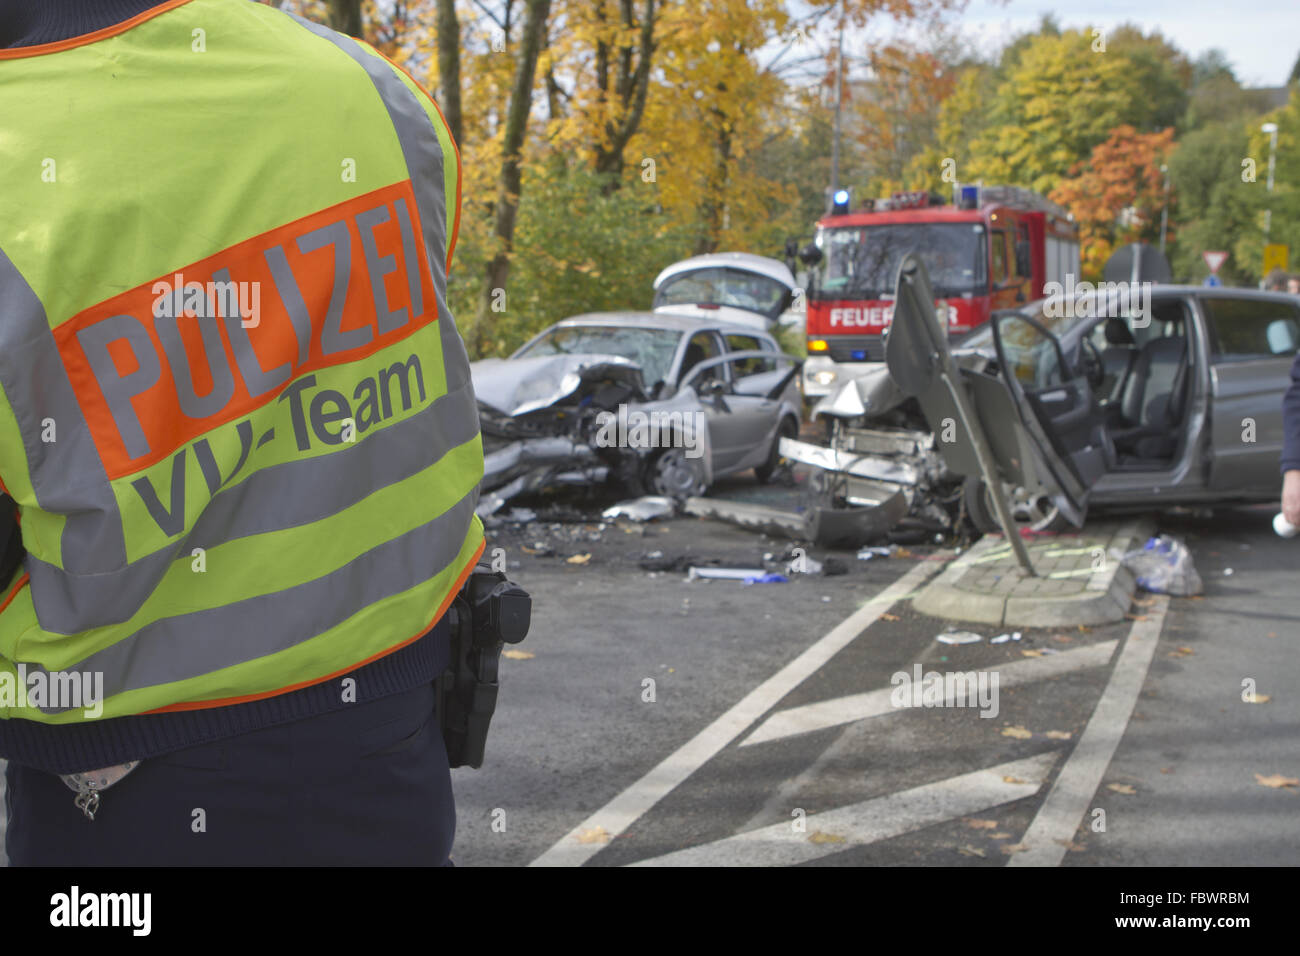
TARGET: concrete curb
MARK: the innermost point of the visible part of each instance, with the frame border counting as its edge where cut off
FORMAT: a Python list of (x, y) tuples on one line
[(985, 586)]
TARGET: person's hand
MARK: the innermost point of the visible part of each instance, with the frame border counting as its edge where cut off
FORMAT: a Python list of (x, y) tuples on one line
[(1291, 497)]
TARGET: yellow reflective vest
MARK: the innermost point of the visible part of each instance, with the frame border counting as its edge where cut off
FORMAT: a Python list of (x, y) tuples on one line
[(235, 412)]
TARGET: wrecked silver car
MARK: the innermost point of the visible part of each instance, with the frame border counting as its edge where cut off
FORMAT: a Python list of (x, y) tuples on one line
[(1166, 395), (652, 403)]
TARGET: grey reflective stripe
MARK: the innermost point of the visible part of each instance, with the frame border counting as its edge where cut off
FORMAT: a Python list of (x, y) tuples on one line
[(272, 499), (422, 151), (189, 646), (67, 474)]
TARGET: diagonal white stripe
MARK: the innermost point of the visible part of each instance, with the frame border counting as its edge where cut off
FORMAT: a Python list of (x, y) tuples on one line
[(626, 808), (876, 703), (1068, 800), (881, 818)]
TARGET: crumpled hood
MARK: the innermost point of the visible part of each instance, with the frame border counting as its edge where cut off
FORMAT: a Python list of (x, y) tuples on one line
[(515, 386)]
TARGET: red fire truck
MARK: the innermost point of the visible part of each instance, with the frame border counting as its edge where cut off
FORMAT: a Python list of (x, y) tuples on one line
[(994, 247)]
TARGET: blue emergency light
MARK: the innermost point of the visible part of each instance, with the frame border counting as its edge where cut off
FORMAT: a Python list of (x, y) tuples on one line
[(970, 197), (840, 202)]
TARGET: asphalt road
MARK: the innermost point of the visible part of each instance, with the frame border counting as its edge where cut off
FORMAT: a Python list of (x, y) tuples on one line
[(582, 769), (654, 719)]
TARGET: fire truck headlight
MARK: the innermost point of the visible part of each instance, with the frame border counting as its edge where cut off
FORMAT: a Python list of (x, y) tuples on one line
[(826, 376)]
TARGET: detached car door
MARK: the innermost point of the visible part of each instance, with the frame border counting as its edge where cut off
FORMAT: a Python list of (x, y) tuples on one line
[(1031, 413)]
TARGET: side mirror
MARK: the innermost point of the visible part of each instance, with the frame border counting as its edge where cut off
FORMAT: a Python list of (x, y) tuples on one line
[(811, 254), (1023, 264)]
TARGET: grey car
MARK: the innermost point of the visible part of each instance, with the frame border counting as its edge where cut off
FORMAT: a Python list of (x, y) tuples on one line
[(1171, 395), (715, 399)]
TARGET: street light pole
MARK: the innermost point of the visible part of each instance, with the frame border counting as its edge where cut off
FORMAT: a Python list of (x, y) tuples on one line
[(1164, 211), (1271, 129)]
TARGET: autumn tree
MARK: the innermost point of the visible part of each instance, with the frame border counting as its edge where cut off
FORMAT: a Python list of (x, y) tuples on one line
[(1117, 196)]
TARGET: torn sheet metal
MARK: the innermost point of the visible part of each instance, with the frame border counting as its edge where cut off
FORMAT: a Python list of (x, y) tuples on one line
[(841, 528)]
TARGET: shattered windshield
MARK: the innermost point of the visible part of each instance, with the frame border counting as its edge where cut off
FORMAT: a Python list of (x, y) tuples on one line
[(861, 262), (722, 286), (652, 349)]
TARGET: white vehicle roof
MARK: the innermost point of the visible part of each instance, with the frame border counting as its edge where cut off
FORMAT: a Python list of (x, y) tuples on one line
[(747, 261)]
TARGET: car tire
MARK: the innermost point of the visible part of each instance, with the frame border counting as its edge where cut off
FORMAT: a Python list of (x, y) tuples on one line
[(671, 474), (1039, 515), (789, 428)]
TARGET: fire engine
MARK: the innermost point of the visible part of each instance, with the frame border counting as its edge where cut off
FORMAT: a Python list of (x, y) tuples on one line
[(993, 247)]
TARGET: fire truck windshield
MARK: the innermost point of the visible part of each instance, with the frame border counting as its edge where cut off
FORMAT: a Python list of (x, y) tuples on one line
[(861, 262)]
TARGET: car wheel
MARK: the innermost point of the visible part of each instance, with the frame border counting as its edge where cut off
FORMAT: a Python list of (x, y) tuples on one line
[(670, 473), (788, 428), (1033, 511)]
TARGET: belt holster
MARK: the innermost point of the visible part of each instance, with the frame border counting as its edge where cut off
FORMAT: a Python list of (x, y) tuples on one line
[(488, 613)]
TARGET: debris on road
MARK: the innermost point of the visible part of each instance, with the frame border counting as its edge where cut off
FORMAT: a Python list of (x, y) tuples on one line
[(826, 527), (1164, 566), (866, 554), (646, 508), (724, 574), (959, 637), (1003, 638)]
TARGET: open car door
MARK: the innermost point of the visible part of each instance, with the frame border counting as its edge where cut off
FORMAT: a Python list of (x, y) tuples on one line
[(1015, 416), (1055, 405)]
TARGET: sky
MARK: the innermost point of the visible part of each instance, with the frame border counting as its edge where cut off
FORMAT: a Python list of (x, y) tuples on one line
[(1260, 37)]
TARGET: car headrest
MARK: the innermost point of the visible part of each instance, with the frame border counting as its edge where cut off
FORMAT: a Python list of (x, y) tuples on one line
[(1117, 332)]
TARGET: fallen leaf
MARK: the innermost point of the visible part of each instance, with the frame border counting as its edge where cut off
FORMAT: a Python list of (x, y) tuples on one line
[(593, 835), (1020, 733), (1276, 780), (578, 559), (1166, 769), (1010, 779), (1059, 734), (1120, 788), (1141, 602), (999, 836), (1084, 628), (817, 836), (982, 824), (969, 850), (518, 655), (1062, 639), (1272, 634), (1011, 848), (1185, 651), (1032, 653), (1137, 617), (890, 617), (1259, 699), (1071, 845)]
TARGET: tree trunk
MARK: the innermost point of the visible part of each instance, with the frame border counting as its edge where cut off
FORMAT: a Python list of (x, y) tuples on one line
[(345, 16), (509, 182), (631, 82), (449, 66)]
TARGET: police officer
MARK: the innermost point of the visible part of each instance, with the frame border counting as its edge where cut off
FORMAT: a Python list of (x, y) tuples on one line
[(237, 423)]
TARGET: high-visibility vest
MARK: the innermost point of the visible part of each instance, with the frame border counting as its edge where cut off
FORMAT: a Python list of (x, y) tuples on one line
[(235, 412)]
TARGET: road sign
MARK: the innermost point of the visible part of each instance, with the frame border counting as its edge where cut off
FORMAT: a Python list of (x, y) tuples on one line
[(1276, 256), (1214, 260), (1212, 280)]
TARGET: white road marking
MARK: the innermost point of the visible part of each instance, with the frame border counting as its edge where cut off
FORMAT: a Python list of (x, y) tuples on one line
[(881, 818), (628, 807), (1068, 799), (876, 703)]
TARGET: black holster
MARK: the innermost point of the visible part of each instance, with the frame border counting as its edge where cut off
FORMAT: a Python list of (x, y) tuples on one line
[(488, 613)]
